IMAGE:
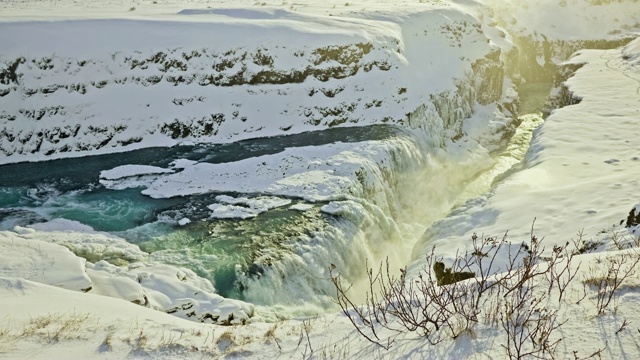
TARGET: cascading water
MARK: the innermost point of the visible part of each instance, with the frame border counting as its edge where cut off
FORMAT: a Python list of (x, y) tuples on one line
[(278, 259), (368, 194), (533, 97)]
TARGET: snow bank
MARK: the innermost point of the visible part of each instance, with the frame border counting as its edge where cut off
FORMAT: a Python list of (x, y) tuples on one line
[(42, 262), (115, 268), (72, 324), (182, 293)]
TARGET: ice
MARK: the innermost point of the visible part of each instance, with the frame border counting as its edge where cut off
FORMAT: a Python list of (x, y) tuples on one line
[(243, 207), (126, 171), (60, 225), (301, 207), (220, 211), (182, 163)]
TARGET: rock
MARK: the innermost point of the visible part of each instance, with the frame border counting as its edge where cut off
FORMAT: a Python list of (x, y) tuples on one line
[(634, 217), (445, 276)]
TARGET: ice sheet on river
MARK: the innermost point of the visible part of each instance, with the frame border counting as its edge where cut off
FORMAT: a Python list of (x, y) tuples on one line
[(313, 173), (243, 208), (126, 171)]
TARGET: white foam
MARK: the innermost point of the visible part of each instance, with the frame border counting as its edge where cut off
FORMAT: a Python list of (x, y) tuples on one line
[(301, 207)]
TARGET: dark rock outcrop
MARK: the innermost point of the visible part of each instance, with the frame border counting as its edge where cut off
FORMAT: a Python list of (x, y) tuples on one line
[(633, 219)]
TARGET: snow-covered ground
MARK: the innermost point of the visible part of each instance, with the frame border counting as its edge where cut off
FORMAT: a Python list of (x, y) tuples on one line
[(580, 173)]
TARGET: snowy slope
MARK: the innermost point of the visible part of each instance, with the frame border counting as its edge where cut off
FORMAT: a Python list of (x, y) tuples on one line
[(580, 174)]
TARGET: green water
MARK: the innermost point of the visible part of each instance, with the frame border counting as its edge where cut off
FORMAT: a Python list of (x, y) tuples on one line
[(219, 249)]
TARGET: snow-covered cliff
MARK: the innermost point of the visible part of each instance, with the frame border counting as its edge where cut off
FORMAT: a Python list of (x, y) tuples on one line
[(85, 86), (546, 32)]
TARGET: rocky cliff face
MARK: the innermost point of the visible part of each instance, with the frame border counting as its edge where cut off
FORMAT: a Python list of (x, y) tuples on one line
[(70, 81), (538, 59), (554, 69), (55, 105)]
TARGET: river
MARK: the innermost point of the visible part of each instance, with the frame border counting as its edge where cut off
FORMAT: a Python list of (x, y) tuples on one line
[(263, 259)]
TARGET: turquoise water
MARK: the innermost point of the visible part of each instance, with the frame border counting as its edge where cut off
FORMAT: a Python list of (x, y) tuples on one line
[(102, 209), (223, 250)]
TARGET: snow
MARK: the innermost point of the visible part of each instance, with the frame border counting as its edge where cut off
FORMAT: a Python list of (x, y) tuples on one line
[(244, 208), (132, 170), (42, 262), (67, 88), (580, 174), (112, 267), (567, 20)]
